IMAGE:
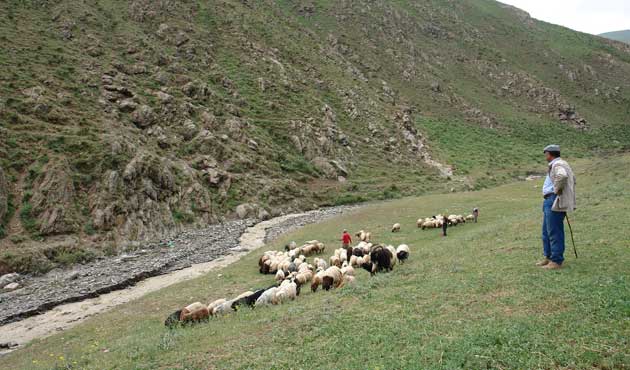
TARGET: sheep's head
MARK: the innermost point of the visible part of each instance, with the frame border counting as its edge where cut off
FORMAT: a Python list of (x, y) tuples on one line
[(173, 319), (327, 282)]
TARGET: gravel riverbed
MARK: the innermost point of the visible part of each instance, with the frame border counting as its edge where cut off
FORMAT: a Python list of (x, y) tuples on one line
[(39, 294)]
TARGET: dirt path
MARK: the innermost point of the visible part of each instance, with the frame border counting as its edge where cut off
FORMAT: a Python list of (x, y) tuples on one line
[(68, 315)]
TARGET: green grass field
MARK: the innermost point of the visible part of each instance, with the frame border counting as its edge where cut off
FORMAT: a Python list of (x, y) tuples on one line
[(472, 300)]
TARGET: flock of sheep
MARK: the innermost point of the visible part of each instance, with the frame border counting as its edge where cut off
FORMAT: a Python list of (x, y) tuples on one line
[(292, 270), (436, 222)]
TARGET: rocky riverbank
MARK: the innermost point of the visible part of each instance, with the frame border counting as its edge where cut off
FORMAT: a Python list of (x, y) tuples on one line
[(39, 294)]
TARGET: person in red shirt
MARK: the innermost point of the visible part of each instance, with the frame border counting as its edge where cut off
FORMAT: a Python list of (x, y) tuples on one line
[(346, 239)]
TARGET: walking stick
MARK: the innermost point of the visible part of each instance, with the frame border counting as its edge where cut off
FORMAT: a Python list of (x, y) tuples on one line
[(572, 240)]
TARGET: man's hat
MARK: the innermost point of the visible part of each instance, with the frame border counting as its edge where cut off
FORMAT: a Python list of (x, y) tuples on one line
[(552, 148)]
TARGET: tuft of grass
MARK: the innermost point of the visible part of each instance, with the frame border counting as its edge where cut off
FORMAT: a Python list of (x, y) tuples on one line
[(28, 219), (183, 217)]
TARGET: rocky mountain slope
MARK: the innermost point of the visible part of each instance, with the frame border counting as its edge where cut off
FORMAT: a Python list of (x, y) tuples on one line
[(623, 36), (133, 120)]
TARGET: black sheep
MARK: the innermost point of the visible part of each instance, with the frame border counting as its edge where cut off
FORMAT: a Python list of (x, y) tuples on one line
[(173, 319), (358, 252), (381, 259), (247, 301)]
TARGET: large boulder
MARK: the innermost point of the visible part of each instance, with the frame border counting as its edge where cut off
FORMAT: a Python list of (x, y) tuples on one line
[(324, 167), (144, 116), (246, 210), (7, 279)]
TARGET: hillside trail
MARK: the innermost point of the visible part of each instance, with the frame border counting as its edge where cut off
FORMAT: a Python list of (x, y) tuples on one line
[(68, 315)]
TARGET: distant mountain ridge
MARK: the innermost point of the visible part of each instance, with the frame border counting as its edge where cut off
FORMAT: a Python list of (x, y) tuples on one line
[(623, 36)]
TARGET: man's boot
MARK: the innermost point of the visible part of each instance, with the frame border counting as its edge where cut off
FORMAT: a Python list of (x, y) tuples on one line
[(544, 262), (552, 266)]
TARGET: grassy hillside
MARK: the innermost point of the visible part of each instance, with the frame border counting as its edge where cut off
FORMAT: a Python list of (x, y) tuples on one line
[(131, 120), (623, 36), (472, 300)]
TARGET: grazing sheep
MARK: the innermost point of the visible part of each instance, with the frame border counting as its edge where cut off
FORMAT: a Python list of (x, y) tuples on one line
[(332, 278), (470, 218), (290, 246), (402, 253), (246, 300), (380, 260), (312, 247), (215, 304), (288, 290), (396, 228), (359, 252), (367, 258), (335, 261), (320, 263), (304, 277), (266, 297), (353, 261), (392, 250), (280, 275), (194, 312), (317, 280), (173, 319), (226, 307), (364, 236), (329, 278), (347, 270), (343, 255)]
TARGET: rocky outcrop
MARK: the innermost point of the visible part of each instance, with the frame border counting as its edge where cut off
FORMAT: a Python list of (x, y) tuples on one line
[(53, 200)]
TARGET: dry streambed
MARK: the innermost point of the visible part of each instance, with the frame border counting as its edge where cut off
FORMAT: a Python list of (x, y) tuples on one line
[(61, 299)]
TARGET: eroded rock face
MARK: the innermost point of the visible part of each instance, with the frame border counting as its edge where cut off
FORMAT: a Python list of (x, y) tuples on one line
[(4, 194), (53, 200)]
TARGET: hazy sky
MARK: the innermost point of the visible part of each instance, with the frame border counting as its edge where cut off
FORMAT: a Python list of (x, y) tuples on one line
[(590, 16)]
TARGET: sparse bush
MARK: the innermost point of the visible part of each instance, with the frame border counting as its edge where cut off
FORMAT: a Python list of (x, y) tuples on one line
[(348, 199), (89, 228), (183, 217), (69, 255), (24, 262)]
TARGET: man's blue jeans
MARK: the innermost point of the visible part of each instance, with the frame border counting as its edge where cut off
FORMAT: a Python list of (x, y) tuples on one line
[(553, 232)]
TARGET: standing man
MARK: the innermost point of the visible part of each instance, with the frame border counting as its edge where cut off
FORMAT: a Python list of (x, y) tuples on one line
[(475, 213), (444, 225), (559, 198)]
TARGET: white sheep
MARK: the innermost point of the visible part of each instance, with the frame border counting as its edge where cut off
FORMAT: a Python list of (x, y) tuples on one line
[(347, 270), (402, 253), (215, 304), (335, 261), (267, 297), (286, 291), (393, 251), (280, 275), (396, 228)]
